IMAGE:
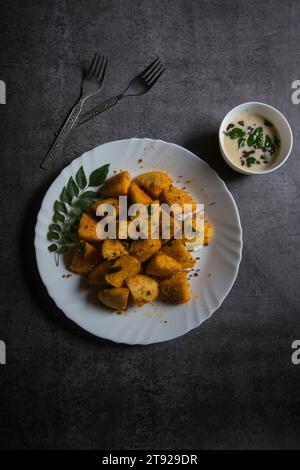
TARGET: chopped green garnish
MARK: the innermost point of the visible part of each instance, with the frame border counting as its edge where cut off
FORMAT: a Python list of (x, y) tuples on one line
[(241, 142), (81, 248), (148, 292), (250, 161), (255, 139), (52, 247), (269, 144), (235, 133)]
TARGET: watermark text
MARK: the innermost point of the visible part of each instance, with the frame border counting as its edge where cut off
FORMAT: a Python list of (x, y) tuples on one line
[(2, 92), (2, 352), (295, 97), (138, 221), (295, 358)]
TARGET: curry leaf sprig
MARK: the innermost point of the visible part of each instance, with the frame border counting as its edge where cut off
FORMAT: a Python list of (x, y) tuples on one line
[(75, 198)]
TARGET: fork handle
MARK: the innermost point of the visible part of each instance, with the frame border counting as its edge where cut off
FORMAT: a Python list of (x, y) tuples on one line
[(97, 110), (64, 132)]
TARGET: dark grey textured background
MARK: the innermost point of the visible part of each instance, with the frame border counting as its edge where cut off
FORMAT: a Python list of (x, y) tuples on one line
[(229, 383)]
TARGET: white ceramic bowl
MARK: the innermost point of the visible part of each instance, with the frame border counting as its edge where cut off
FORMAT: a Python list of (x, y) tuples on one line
[(272, 115)]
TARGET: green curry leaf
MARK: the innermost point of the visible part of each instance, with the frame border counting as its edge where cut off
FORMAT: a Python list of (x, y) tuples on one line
[(98, 176), (81, 178)]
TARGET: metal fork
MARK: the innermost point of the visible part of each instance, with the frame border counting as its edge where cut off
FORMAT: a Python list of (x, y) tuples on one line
[(138, 86), (91, 84)]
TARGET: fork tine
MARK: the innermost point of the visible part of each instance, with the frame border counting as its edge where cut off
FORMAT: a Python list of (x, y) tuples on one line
[(92, 65), (102, 71), (99, 65), (94, 72), (147, 69), (157, 77), (153, 72)]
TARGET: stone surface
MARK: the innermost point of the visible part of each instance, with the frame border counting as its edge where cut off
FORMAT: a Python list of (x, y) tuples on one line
[(229, 383)]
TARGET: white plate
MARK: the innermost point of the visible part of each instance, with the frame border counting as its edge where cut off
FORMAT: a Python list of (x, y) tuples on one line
[(218, 262)]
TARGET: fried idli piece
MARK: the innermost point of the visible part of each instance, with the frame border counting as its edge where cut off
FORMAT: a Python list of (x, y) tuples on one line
[(122, 268), (178, 196), (117, 185), (87, 228), (137, 195), (112, 249), (110, 200), (162, 265), (115, 298), (143, 289), (177, 250), (208, 233), (85, 257), (176, 289), (144, 249), (97, 275), (154, 182)]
